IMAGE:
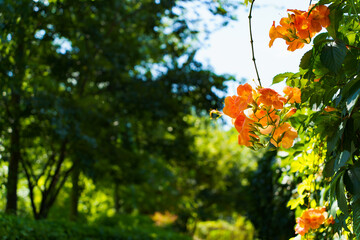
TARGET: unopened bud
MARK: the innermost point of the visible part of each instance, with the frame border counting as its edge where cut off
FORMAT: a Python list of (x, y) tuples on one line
[(291, 112), (329, 109)]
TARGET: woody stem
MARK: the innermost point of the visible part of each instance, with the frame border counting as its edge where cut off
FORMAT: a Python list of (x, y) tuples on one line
[(252, 43)]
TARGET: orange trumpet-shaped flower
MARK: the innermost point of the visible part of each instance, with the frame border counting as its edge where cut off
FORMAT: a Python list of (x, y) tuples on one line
[(274, 34), (236, 104), (330, 220), (311, 219), (232, 106), (300, 26), (265, 117), (318, 18), (243, 125), (270, 97), (295, 44), (293, 94), (301, 227), (284, 136)]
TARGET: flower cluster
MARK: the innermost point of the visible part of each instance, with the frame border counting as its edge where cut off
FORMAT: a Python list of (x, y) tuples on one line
[(312, 218), (300, 26), (263, 112)]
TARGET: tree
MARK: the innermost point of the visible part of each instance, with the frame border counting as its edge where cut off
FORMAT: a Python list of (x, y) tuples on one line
[(79, 84)]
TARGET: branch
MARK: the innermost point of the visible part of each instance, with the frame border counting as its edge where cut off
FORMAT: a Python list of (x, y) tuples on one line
[(252, 43), (54, 195), (31, 187), (54, 177)]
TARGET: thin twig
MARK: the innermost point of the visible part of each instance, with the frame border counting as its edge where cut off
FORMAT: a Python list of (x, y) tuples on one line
[(252, 42), (349, 46)]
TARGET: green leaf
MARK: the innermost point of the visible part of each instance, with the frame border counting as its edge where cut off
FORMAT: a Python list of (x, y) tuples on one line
[(341, 160), (350, 93), (352, 182), (351, 101), (340, 196), (306, 60), (335, 16), (329, 168), (280, 77), (320, 38), (356, 218), (332, 56), (333, 186)]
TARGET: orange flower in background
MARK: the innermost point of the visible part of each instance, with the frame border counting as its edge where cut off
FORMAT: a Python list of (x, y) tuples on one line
[(301, 227), (284, 136), (311, 219), (270, 97), (243, 125), (163, 219), (293, 94), (330, 220)]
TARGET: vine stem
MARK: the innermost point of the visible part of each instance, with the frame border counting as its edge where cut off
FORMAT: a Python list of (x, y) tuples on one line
[(252, 43)]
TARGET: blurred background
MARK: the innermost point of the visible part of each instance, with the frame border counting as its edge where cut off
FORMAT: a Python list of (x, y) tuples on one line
[(105, 128)]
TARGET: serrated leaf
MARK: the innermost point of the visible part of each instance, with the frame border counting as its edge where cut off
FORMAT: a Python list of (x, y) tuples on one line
[(306, 60), (332, 56), (280, 77)]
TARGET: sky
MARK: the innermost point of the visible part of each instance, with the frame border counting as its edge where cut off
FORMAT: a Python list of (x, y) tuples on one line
[(228, 50)]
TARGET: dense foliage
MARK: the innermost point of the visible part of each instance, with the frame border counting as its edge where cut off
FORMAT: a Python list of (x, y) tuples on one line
[(103, 116), (323, 162), (134, 228)]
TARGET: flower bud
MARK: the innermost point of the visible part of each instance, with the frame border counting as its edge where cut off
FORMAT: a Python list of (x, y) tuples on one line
[(329, 109), (291, 112)]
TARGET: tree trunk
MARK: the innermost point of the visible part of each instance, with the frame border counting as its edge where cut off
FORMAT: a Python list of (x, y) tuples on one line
[(12, 181), (75, 191), (14, 120)]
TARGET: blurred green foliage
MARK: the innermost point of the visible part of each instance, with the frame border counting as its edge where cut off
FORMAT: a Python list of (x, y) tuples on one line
[(120, 228), (241, 229), (105, 119)]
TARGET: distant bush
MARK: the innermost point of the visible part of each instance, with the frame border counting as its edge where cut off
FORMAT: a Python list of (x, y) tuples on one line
[(220, 229), (17, 228)]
